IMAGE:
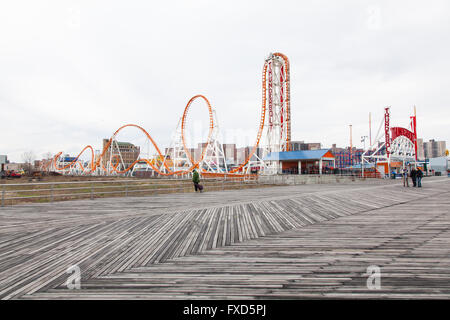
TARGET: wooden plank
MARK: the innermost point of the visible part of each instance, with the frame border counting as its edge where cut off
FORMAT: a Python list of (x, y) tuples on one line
[(271, 242)]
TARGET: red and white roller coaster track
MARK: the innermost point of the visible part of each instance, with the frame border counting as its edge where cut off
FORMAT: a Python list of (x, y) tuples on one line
[(96, 162)]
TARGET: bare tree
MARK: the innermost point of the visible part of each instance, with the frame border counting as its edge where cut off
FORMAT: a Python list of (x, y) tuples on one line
[(46, 162), (47, 155), (28, 157)]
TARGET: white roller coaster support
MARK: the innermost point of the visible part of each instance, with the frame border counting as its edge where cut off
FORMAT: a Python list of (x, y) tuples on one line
[(214, 154)]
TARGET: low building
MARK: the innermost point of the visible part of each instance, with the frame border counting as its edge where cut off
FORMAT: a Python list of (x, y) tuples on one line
[(126, 151), (301, 145), (199, 151), (230, 152), (346, 158), (3, 161), (38, 164), (303, 161), (67, 158), (14, 166), (439, 166), (243, 153), (181, 154)]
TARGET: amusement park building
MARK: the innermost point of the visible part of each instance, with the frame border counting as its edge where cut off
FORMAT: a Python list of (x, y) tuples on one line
[(303, 161)]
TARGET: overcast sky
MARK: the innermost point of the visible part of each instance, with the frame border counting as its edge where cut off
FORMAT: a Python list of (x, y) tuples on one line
[(72, 72)]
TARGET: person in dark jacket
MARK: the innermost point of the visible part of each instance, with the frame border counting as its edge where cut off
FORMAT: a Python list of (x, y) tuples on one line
[(419, 176), (414, 177), (196, 180)]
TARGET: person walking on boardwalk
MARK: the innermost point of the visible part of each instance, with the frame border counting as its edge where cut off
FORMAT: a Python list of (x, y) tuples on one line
[(405, 177), (196, 181), (414, 176), (419, 176)]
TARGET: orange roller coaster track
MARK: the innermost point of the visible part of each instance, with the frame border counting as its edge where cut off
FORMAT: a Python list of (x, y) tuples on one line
[(97, 162)]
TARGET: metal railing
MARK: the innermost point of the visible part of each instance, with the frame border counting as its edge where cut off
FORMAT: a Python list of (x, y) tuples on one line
[(335, 172), (14, 193)]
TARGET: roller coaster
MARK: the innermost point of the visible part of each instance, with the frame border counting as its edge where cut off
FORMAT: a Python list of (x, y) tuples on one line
[(274, 128)]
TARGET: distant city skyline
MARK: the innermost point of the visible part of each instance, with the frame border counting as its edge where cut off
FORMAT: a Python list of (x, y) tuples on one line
[(72, 73)]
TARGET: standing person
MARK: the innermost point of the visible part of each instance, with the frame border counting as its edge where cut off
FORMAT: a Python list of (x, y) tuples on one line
[(393, 174), (405, 177), (414, 176), (196, 180), (419, 175)]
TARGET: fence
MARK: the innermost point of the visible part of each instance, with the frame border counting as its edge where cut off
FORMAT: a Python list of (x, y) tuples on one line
[(15, 193), (368, 173)]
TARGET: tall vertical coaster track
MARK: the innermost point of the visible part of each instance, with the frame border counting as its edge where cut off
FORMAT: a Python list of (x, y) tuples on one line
[(274, 133)]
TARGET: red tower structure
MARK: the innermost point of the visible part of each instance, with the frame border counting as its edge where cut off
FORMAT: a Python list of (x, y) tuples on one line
[(387, 131), (399, 146)]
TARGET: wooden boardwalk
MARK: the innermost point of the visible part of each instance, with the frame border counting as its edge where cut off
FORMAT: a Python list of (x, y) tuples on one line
[(309, 241)]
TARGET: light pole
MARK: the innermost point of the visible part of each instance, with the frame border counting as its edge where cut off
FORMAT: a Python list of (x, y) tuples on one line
[(363, 140)]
